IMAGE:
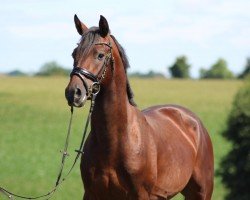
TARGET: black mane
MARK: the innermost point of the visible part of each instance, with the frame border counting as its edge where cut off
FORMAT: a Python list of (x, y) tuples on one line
[(122, 53), (126, 66), (91, 37)]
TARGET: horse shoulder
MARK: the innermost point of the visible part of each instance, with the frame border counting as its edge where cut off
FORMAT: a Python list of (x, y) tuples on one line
[(139, 152), (137, 142)]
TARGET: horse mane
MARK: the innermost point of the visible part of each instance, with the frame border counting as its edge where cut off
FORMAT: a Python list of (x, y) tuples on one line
[(89, 38), (126, 66)]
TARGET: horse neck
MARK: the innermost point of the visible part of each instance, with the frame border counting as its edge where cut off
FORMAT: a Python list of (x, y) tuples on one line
[(109, 119)]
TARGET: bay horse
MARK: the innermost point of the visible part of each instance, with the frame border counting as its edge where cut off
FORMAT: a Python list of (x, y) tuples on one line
[(131, 154)]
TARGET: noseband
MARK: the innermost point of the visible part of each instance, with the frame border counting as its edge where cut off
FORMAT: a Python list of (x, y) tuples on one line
[(83, 73)]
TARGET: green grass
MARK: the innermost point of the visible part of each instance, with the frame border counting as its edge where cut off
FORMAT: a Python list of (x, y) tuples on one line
[(34, 118)]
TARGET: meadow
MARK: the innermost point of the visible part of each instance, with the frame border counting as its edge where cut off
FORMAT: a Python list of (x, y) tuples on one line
[(34, 117)]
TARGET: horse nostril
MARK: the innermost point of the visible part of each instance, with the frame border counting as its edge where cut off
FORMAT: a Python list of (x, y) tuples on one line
[(78, 92)]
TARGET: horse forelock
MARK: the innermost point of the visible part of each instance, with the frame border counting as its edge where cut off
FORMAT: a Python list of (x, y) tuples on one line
[(88, 39)]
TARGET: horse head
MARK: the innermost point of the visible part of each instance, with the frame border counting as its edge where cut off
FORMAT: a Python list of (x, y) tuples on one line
[(92, 60)]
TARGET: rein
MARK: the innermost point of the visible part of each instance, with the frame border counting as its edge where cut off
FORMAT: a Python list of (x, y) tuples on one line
[(59, 179), (92, 92)]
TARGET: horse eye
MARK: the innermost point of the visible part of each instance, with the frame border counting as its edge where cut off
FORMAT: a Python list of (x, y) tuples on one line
[(100, 56)]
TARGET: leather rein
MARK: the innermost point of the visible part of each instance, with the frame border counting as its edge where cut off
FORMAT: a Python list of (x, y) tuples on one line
[(92, 92)]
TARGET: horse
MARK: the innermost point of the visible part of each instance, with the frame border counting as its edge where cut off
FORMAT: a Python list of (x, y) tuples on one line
[(152, 154)]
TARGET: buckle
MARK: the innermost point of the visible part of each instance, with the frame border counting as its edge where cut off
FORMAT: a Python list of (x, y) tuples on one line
[(95, 88)]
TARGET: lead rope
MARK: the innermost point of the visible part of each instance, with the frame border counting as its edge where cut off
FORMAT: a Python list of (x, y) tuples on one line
[(60, 180)]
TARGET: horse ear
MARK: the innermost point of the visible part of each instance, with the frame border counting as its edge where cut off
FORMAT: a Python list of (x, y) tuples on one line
[(103, 26), (80, 27)]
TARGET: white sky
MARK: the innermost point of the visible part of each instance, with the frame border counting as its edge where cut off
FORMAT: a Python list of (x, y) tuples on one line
[(153, 32)]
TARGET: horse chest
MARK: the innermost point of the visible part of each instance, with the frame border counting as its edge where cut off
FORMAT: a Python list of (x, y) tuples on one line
[(105, 183)]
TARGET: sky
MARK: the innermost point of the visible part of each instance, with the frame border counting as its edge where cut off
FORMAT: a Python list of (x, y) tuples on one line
[(153, 32)]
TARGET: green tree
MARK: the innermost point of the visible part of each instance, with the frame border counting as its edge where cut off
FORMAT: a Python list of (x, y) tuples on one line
[(52, 69), (16, 73), (218, 71), (235, 167), (246, 71), (180, 69), (149, 74)]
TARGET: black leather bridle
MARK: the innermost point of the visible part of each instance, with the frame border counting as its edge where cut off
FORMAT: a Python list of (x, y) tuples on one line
[(83, 73)]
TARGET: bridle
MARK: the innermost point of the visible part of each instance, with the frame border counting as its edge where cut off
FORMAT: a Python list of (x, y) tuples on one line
[(92, 92), (83, 73)]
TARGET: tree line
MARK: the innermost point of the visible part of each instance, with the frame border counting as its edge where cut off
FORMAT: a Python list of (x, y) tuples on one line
[(219, 70), (179, 69)]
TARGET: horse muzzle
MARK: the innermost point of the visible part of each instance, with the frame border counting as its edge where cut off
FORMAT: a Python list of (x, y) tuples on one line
[(76, 96)]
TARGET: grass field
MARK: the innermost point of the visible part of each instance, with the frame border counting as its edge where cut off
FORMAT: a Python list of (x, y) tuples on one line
[(34, 118)]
